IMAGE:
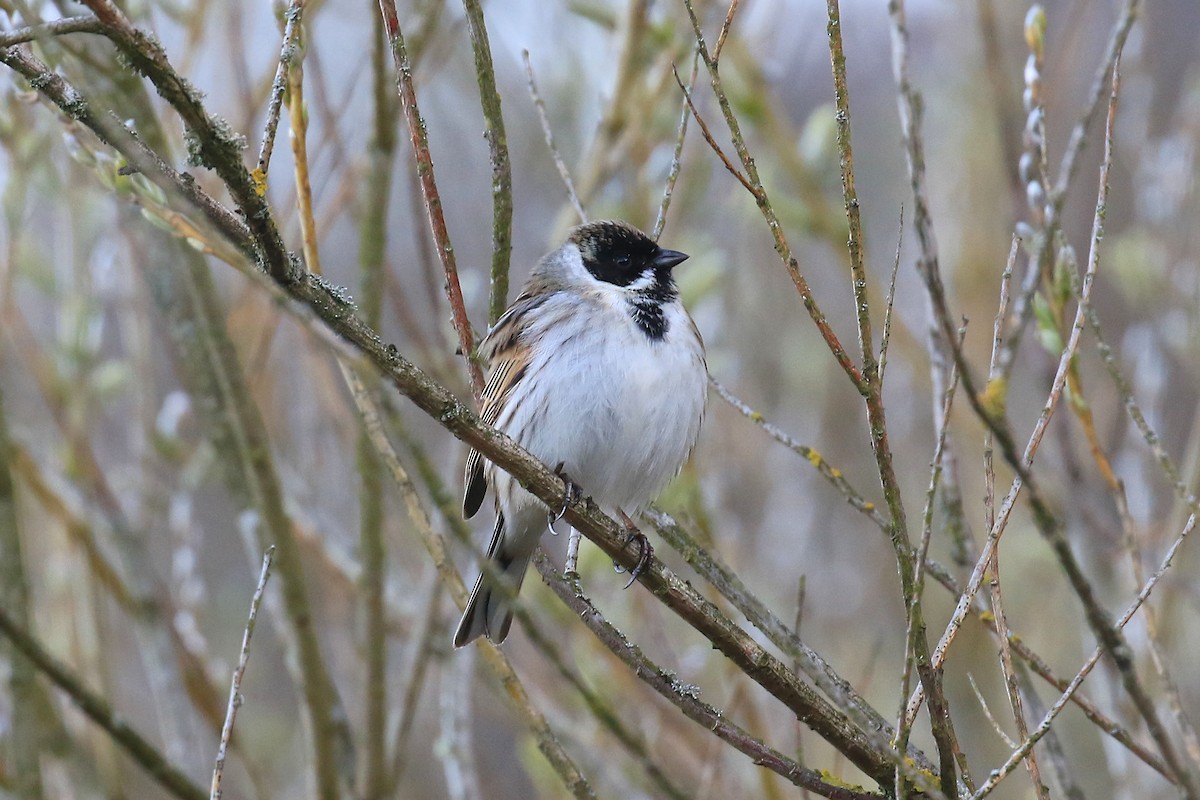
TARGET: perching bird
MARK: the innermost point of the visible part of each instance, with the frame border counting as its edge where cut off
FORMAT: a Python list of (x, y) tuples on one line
[(598, 369)]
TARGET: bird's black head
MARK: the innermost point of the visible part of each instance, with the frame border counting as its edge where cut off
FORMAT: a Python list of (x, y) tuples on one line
[(618, 253)]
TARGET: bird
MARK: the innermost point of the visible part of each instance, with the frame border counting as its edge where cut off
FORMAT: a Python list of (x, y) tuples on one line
[(598, 369)]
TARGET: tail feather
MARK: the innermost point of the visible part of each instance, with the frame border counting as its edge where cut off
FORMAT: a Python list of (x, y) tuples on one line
[(488, 612)]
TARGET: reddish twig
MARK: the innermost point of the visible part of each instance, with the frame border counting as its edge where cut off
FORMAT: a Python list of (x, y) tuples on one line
[(429, 191), (708, 137), (782, 247)]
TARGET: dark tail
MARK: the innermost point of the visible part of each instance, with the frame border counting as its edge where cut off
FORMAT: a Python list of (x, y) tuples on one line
[(488, 612)]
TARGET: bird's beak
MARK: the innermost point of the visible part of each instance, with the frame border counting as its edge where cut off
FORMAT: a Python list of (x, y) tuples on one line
[(669, 258)]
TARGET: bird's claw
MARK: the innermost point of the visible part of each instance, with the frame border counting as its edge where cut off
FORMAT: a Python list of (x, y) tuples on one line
[(645, 551), (571, 493)]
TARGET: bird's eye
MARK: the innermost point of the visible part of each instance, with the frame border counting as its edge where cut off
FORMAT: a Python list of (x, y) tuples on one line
[(623, 260)]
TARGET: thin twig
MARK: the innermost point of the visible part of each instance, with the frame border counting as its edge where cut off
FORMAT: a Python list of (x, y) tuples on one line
[(660, 221), (903, 726), (58, 27), (1021, 752), (987, 712), (288, 51), (854, 242), (782, 248), (547, 741), (1011, 686), (1052, 748), (910, 104), (886, 339), (829, 472), (298, 123), (708, 137), (911, 644), (235, 687), (1134, 410), (493, 132), (684, 696), (725, 26), (1001, 620), (1099, 92), (429, 191), (548, 132), (373, 237), (96, 708), (1002, 309), (797, 625)]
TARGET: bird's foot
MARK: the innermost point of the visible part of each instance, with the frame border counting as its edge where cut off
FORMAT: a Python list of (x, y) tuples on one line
[(571, 494), (644, 548)]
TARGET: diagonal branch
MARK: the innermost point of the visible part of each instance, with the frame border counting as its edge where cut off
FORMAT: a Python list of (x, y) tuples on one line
[(97, 709), (547, 741), (288, 51), (782, 247), (211, 142), (1042, 729), (686, 698), (342, 325)]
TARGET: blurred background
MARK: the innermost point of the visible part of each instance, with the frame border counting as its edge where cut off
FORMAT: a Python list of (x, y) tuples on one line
[(123, 490)]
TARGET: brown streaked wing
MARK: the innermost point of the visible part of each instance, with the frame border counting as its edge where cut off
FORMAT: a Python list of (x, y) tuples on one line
[(508, 368)]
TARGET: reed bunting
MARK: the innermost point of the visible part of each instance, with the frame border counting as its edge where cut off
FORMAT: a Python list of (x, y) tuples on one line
[(598, 369)]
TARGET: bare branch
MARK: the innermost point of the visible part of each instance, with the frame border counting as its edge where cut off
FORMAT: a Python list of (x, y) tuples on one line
[(429, 191), (1026, 747), (144, 754), (676, 156), (547, 741), (288, 51), (493, 132), (561, 165), (782, 248), (58, 27), (886, 339), (687, 698), (235, 688)]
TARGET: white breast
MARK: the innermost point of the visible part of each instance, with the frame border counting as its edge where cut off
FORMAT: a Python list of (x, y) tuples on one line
[(620, 411)]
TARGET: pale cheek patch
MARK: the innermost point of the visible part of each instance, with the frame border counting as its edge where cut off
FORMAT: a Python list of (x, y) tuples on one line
[(644, 282)]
